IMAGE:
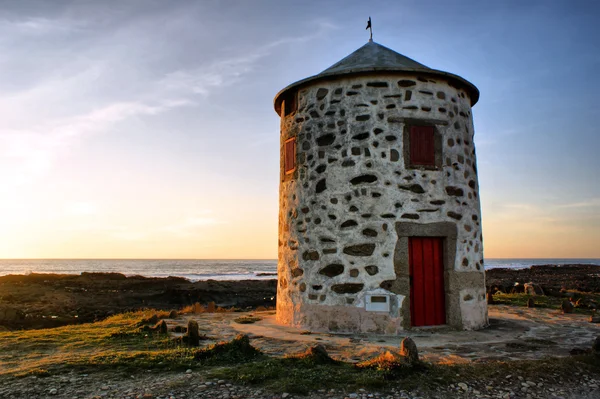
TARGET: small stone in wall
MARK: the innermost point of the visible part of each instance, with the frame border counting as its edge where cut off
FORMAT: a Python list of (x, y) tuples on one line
[(394, 155), (325, 140), (321, 186), (361, 136), (360, 250), (302, 287), (349, 223), (406, 83), (372, 270), (321, 93), (369, 233), (363, 179), (413, 216), (454, 215), (353, 273), (332, 270), (455, 191), (415, 188), (348, 288), (297, 272), (377, 84), (310, 255)]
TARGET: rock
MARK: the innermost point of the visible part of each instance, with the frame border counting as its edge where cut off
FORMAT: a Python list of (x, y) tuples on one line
[(173, 314), (531, 303), (408, 349), (463, 386), (188, 371), (596, 346), (579, 351), (595, 318), (566, 306), (533, 289), (192, 337), (53, 391)]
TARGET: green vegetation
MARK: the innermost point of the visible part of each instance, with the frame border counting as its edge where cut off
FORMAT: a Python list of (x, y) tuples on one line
[(119, 343), (580, 299)]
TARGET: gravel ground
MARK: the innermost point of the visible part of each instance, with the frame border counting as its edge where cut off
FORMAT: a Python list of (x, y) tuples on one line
[(189, 385)]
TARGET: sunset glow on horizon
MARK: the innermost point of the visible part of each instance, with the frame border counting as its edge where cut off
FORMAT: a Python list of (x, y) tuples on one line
[(147, 130)]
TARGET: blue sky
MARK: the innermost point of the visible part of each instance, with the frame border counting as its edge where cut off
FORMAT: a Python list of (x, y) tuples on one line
[(146, 128)]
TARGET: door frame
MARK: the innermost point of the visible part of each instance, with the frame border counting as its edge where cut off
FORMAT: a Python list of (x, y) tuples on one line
[(448, 231)]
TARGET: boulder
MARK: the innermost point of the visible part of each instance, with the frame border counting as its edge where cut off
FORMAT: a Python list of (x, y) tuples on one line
[(531, 303), (595, 318), (173, 314), (533, 289), (161, 327), (596, 346), (10, 314), (408, 349), (566, 306), (192, 337)]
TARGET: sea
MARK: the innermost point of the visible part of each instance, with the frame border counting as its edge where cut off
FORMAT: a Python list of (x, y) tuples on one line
[(206, 269)]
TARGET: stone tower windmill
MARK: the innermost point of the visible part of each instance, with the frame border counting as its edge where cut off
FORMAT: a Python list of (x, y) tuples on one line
[(379, 215)]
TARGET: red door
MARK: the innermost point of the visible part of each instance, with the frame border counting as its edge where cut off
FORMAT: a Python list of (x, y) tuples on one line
[(426, 270)]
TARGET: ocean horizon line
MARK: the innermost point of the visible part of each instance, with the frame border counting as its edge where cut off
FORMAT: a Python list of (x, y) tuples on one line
[(274, 259)]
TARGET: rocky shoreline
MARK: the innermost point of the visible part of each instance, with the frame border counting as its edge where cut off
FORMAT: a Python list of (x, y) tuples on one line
[(551, 278), (52, 300)]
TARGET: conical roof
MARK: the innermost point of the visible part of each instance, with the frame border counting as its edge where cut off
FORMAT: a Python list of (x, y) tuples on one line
[(373, 58), (373, 55)]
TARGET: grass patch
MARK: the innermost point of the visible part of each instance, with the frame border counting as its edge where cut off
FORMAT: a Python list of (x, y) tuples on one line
[(119, 344), (235, 351), (548, 302), (117, 340)]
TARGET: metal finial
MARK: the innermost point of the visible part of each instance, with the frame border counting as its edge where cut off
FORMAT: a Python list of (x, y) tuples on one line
[(371, 28)]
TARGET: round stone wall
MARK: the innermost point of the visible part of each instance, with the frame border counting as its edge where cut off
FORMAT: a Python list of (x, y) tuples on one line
[(348, 209)]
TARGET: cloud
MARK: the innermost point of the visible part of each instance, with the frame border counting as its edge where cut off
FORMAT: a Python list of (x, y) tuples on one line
[(38, 26), (47, 120), (593, 202)]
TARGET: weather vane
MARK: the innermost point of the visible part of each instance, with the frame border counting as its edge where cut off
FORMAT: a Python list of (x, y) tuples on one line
[(370, 28)]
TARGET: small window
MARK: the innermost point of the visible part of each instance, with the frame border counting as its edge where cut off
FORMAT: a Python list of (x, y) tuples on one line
[(290, 104), (289, 156), (422, 146)]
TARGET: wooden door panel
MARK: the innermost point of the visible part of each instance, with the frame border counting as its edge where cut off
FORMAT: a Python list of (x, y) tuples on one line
[(427, 292)]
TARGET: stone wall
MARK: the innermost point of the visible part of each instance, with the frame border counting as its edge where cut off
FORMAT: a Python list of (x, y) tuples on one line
[(340, 209)]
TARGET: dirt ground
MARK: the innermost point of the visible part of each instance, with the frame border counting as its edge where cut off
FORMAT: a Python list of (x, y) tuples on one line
[(514, 333)]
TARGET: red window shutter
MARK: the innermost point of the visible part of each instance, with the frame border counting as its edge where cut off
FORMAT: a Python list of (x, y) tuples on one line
[(289, 158), (422, 148)]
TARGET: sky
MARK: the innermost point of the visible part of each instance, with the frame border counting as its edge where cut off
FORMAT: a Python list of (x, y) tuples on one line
[(145, 129)]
